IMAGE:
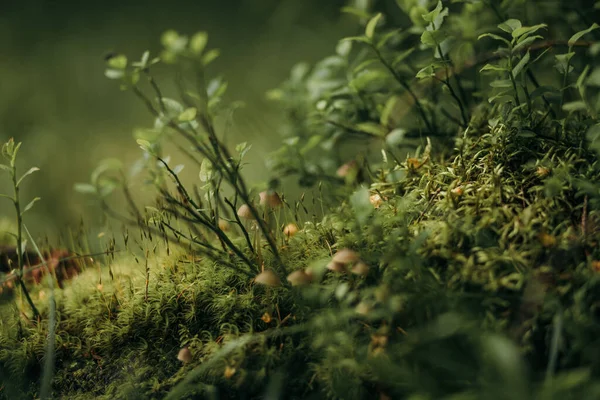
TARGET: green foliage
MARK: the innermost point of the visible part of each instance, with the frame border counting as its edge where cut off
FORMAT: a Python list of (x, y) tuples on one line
[(459, 259)]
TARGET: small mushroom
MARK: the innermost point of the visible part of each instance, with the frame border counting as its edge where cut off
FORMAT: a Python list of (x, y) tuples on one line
[(224, 225), (244, 212), (267, 277), (298, 278), (375, 200), (185, 355), (290, 230), (345, 169), (336, 267), (345, 256), (360, 269), (270, 198)]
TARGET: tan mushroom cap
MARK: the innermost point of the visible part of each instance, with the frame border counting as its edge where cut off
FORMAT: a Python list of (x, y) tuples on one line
[(244, 212), (336, 267), (270, 198), (185, 355), (345, 256), (360, 269), (290, 230), (267, 277), (298, 278)]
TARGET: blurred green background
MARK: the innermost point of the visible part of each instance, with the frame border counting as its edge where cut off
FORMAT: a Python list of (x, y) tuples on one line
[(55, 99)]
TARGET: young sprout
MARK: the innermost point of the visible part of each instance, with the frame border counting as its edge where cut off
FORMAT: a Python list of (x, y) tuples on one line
[(268, 278)]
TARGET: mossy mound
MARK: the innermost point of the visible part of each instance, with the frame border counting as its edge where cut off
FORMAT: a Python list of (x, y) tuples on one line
[(483, 274)]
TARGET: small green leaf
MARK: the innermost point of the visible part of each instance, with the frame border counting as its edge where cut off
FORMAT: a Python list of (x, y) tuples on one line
[(31, 171), (510, 25), (543, 90), (360, 39), (104, 166), (28, 206), (432, 15), (594, 78), (114, 73), (395, 137), (492, 67), (574, 106), (525, 42), (198, 43), (210, 56), (522, 64), (361, 204), (371, 25), (527, 30), (205, 170), (343, 48), (580, 34), (5, 168), (562, 62), (501, 83), (371, 128), (493, 36), (189, 114), (426, 72), (432, 38), (84, 188), (117, 62), (388, 109)]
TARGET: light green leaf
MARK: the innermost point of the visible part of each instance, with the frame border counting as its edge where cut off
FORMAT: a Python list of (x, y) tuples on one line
[(525, 42), (5, 167), (580, 34), (594, 78), (104, 166), (28, 206), (343, 48), (388, 109), (198, 42), (84, 188), (574, 106), (361, 204), (492, 67), (501, 83), (426, 72), (205, 170), (522, 64), (210, 56), (371, 128), (114, 73), (31, 171), (402, 56), (117, 62), (371, 25), (562, 62), (493, 36), (360, 39), (432, 38), (395, 137), (510, 25), (527, 30), (432, 15), (189, 114)]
